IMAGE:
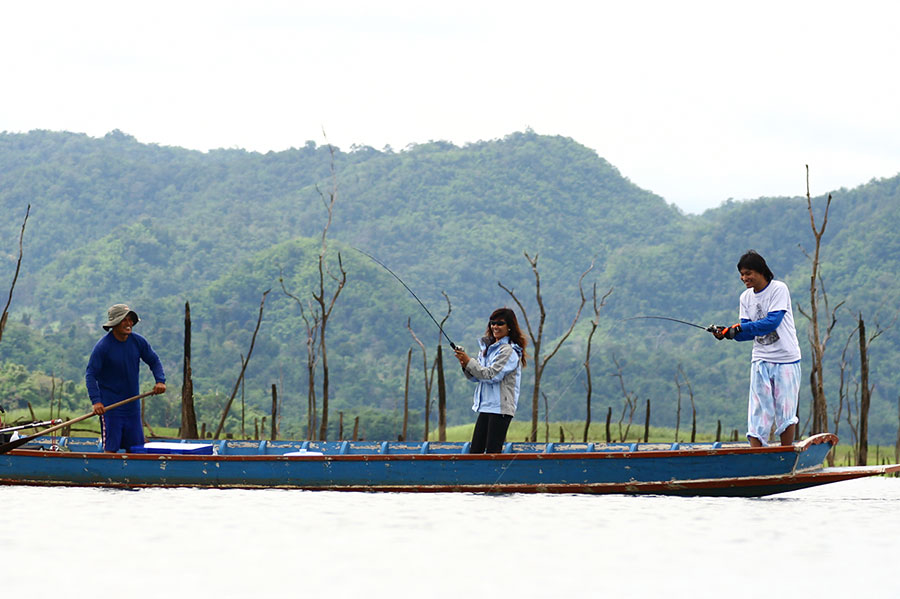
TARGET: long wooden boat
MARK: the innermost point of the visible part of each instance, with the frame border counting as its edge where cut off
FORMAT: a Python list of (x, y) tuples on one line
[(709, 469)]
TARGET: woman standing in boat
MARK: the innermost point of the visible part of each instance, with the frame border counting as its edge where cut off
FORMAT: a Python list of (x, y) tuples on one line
[(497, 372)]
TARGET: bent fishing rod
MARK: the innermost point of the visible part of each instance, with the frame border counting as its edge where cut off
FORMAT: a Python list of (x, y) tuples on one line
[(710, 329), (384, 266)]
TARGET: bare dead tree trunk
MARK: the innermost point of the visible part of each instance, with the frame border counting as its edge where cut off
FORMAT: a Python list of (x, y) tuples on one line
[(406, 394), (53, 398), (150, 432), (587, 358), (677, 406), (324, 314), (842, 385), (188, 414), (690, 389), (854, 429), (842, 393), (442, 387), (442, 395), (52, 393), (537, 339), (897, 444), (326, 306), (630, 402), (816, 375), (429, 379), (546, 418), (274, 412), (608, 421), (862, 455), (243, 368), (311, 323), (280, 384), (865, 391), (12, 286), (693, 421), (589, 384), (647, 423), (820, 405)]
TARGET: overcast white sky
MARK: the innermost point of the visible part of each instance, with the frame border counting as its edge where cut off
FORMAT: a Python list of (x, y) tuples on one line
[(696, 101)]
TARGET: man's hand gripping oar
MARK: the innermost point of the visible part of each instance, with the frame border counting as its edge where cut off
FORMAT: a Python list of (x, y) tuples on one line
[(22, 441)]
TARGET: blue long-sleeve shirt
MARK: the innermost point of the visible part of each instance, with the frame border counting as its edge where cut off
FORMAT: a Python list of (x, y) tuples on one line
[(113, 370), (759, 328)]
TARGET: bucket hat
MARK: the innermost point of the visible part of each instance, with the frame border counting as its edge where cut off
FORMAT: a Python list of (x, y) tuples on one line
[(117, 314)]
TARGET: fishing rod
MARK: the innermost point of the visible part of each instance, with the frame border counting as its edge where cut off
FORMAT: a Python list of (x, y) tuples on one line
[(29, 425), (711, 328), (384, 266)]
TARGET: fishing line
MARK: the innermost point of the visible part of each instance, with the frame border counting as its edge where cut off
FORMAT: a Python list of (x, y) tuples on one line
[(384, 266), (550, 408)]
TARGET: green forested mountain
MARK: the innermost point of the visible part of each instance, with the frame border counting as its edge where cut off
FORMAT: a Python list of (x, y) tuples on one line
[(115, 220)]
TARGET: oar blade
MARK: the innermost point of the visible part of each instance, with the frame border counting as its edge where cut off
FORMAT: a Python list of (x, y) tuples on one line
[(17, 443)]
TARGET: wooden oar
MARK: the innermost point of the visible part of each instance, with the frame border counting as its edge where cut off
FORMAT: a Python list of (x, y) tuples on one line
[(23, 440)]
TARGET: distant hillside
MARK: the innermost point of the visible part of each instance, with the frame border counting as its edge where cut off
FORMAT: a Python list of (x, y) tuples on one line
[(115, 220)]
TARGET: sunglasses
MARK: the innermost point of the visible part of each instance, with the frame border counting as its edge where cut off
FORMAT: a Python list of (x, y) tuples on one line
[(497, 323)]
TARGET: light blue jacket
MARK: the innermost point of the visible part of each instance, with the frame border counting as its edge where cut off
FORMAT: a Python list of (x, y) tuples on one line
[(497, 376)]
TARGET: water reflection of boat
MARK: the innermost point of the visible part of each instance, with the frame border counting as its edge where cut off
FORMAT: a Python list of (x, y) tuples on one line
[(719, 469)]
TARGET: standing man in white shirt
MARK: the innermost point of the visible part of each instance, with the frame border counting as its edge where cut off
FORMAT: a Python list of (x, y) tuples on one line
[(767, 319)]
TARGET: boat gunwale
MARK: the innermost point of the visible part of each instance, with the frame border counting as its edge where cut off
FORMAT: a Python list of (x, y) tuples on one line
[(796, 449)]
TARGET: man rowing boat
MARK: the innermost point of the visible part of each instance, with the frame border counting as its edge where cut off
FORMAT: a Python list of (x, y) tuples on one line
[(113, 374)]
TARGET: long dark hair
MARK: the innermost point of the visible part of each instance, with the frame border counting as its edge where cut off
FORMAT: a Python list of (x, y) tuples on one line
[(512, 323), (753, 261)]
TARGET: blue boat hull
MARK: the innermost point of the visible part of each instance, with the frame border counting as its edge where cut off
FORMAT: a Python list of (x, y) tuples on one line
[(700, 469)]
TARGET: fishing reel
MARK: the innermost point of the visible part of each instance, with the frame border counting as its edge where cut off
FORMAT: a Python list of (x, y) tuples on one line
[(724, 332)]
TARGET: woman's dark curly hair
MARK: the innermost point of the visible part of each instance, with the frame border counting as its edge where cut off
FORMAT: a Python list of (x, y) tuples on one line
[(515, 333)]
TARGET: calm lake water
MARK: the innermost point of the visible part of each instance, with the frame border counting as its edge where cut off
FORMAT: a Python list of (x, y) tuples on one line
[(174, 543)]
